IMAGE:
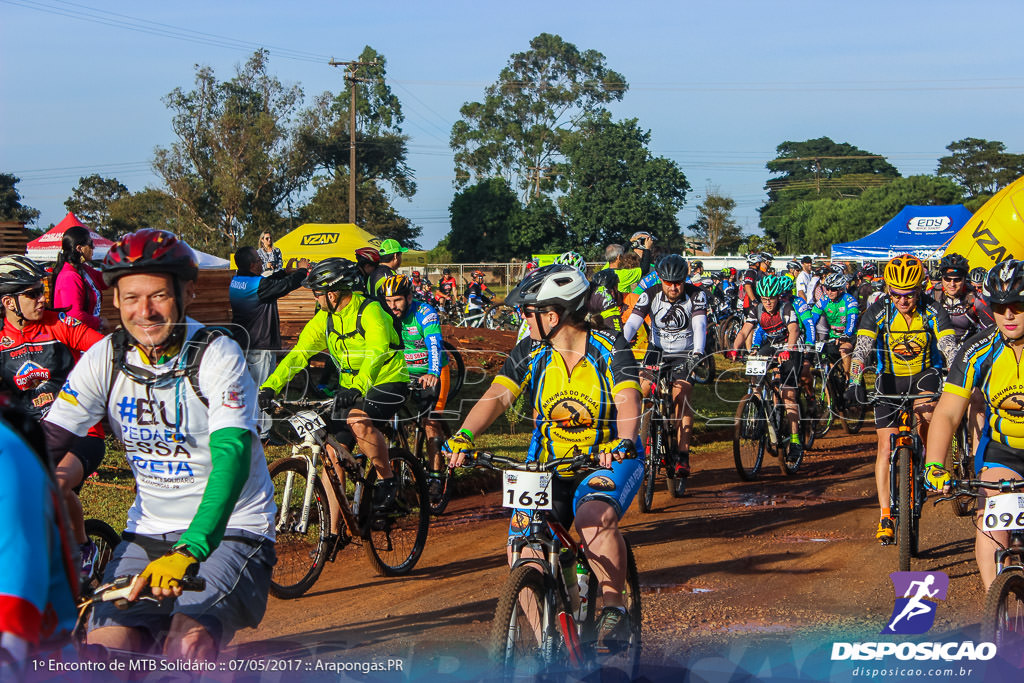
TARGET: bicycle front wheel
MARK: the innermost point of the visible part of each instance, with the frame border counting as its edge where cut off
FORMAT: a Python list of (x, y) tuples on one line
[(904, 513), (456, 367), (521, 641), (300, 554), (824, 406), (651, 459), (1003, 621), (439, 502), (750, 435), (395, 538), (963, 468)]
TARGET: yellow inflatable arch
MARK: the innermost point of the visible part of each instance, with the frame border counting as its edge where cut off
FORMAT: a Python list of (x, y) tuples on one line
[(996, 232)]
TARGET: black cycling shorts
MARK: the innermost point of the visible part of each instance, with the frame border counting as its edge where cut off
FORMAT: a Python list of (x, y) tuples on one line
[(671, 366), (381, 403), (999, 455), (887, 413)]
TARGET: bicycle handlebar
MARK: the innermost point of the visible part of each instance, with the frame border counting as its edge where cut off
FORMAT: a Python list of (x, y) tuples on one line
[(489, 460), (969, 487), (121, 587), (281, 405), (875, 395)]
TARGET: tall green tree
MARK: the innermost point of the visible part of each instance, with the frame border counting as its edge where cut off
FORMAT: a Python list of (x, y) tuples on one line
[(235, 160), (91, 200), (540, 96), (980, 167), (482, 217), (539, 229), (150, 208), (11, 208), (382, 169), (816, 169), (715, 227), (615, 185), (817, 225)]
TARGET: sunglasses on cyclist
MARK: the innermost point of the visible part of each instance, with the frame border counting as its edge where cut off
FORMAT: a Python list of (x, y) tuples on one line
[(530, 310), (949, 278), (833, 289), (34, 293), (1001, 309), (317, 293), (903, 296)]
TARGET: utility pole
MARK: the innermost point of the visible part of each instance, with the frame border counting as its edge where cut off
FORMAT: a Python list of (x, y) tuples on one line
[(350, 76), (538, 172)]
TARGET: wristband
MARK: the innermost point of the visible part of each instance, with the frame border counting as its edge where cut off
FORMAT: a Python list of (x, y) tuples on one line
[(935, 464), (466, 433)]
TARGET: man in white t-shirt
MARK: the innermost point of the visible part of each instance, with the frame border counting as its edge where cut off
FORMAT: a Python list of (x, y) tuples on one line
[(806, 281), (183, 403)]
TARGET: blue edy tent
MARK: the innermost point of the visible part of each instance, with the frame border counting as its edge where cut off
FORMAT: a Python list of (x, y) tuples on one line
[(923, 231)]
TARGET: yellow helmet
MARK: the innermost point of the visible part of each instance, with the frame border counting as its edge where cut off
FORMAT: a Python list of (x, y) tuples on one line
[(904, 272), (397, 285)]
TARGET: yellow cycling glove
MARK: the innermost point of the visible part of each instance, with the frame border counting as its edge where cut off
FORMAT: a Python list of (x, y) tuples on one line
[(462, 441), (168, 571), (935, 476)]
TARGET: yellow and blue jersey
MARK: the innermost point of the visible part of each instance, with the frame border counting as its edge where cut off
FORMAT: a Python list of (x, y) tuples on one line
[(905, 346)]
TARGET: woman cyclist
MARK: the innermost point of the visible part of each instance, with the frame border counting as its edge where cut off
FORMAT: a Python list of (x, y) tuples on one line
[(584, 390), (907, 335), (990, 361)]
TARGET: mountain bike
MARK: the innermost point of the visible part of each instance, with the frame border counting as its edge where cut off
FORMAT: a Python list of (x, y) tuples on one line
[(457, 368), (830, 383), (659, 437), (324, 503), (410, 434), (906, 475), (1003, 620), (962, 466), (762, 424), (547, 615), (502, 317)]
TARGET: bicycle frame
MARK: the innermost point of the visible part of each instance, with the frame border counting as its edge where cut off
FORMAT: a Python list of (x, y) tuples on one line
[(906, 437)]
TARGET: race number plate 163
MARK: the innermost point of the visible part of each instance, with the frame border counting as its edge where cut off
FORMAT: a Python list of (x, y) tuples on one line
[(529, 490), (1004, 512)]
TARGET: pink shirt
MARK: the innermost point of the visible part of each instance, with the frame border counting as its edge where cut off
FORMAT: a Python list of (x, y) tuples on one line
[(80, 296)]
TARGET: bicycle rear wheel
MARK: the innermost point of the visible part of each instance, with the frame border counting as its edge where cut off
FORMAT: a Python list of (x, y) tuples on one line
[(521, 644), (300, 555), (1003, 620), (456, 367), (749, 437), (501, 317), (395, 539), (904, 514)]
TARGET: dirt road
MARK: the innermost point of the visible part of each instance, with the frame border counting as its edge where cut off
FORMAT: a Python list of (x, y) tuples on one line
[(782, 563)]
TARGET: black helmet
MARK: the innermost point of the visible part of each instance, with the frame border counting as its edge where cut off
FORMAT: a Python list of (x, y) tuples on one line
[(955, 263), (555, 285), (150, 251), (335, 274), (672, 268), (607, 278), (1005, 283), (697, 264), (935, 275), (18, 273)]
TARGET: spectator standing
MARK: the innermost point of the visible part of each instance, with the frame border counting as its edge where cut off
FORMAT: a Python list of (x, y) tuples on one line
[(75, 286), (270, 256), (806, 280), (254, 309)]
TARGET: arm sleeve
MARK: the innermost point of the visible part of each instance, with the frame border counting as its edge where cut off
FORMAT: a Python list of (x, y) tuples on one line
[(312, 340), (71, 292), (700, 331), (278, 284), (231, 453), (432, 337)]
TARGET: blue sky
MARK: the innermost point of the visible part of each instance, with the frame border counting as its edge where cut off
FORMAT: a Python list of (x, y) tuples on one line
[(718, 84)]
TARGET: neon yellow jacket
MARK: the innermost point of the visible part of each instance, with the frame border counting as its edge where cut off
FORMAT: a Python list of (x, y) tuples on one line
[(363, 360)]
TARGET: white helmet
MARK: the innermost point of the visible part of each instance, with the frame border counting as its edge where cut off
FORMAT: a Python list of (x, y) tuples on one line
[(558, 285)]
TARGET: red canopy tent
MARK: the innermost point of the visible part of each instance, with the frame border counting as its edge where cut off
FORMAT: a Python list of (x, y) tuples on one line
[(45, 248)]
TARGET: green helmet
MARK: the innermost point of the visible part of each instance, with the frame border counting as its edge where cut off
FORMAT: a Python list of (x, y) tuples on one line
[(572, 258), (769, 285), (787, 283)]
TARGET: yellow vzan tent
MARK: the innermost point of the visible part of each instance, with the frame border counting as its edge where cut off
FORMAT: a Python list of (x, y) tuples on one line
[(996, 232), (317, 241)]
